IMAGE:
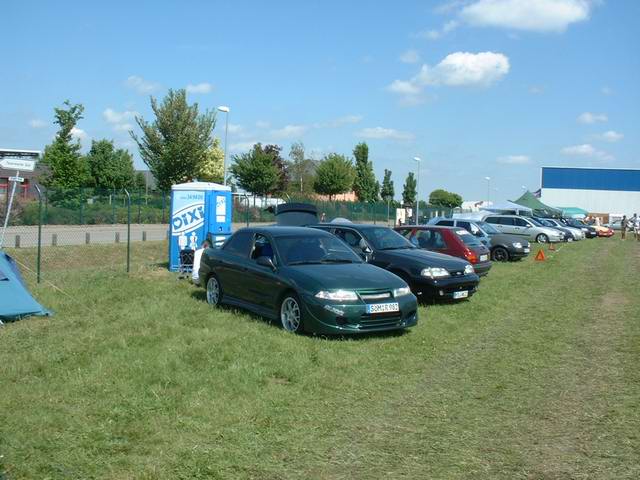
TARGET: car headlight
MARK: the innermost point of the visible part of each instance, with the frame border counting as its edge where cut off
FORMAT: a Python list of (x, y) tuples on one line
[(469, 270), (337, 295), (400, 292), (516, 245), (434, 272)]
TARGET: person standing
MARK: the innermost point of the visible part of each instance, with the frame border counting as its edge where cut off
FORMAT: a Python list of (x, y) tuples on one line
[(636, 227), (623, 227)]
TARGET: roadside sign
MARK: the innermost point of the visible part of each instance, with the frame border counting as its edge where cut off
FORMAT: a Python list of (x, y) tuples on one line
[(18, 164), (16, 179)]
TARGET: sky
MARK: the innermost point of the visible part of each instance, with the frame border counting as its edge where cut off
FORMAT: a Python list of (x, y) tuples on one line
[(475, 88)]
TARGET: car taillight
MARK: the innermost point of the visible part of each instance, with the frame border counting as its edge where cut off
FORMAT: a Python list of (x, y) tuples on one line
[(471, 256)]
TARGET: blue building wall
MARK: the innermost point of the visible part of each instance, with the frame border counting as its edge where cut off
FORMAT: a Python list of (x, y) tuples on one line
[(620, 180)]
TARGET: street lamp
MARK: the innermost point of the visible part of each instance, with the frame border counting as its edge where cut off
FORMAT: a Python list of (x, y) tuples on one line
[(225, 109), (418, 160), (488, 179)]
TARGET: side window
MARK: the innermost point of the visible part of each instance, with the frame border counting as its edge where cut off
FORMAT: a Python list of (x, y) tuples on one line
[(520, 222), (350, 237), (493, 220), (505, 221), (438, 240), (262, 248), (422, 239), (239, 244), (446, 223), (406, 233), (466, 226)]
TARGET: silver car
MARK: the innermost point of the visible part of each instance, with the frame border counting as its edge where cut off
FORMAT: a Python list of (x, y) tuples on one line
[(576, 233), (524, 227)]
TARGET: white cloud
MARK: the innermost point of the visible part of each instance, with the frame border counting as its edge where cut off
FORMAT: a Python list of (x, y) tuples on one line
[(262, 124), (410, 56), (141, 85), (78, 133), (37, 123), (611, 136), (203, 87), (606, 91), (514, 160), (235, 129), (367, 59), (590, 118), (458, 69), (340, 122), (536, 90), (113, 117), (241, 147), (439, 33), (529, 15), (123, 127), (586, 150), (290, 131), (384, 133)]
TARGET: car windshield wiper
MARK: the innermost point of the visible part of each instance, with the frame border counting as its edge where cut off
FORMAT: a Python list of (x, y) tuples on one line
[(305, 262), (337, 260), (398, 248)]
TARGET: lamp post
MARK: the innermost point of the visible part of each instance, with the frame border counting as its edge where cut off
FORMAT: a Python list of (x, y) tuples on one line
[(225, 109), (418, 160), (488, 179)]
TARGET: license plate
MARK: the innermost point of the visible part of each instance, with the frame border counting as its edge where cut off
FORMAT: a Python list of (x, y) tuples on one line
[(462, 294), (569, 239), (484, 258), (527, 250), (383, 307)]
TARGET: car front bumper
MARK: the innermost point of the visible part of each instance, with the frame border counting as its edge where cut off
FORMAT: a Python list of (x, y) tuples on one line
[(446, 288), (331, 318), (482, 268)]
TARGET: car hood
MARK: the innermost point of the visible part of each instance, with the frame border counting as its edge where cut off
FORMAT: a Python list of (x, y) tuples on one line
[(347, 276), (426, 258)]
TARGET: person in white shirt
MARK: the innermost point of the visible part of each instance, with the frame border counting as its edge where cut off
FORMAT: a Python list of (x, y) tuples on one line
[(197, 256)]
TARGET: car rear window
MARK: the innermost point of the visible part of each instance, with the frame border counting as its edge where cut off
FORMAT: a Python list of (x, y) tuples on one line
[(468, 239)]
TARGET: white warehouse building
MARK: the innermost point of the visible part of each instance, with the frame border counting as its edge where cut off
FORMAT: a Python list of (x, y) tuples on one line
[(597, 190)]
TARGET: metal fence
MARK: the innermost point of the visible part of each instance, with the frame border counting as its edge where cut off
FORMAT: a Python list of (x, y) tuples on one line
[(54, 232)]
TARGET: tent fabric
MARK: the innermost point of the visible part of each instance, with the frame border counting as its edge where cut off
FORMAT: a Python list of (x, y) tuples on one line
[(509, 208), (529, 200), (573, 212), (15, 300)]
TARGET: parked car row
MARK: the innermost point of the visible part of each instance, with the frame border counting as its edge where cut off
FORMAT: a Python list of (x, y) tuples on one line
[(343, 278)]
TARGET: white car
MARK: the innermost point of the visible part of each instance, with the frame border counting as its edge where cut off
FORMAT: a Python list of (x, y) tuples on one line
[(577, 233), (524, 227)]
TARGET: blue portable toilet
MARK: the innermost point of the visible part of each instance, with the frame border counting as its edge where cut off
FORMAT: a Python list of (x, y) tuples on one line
[(198, 210)]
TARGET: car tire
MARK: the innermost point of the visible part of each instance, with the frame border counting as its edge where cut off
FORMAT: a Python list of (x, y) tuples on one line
[(291, 316), (542, 238), (500, 254), (214, 291)]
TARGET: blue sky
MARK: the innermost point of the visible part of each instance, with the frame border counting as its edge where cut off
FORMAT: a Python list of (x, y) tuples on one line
[(475, 88)]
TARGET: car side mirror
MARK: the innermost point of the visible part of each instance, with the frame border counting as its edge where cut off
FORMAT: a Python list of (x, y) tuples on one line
[(266, 262)]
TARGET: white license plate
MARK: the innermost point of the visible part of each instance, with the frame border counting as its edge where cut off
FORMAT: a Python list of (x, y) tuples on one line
[(484, 258), (383, 307), (570, 239), (462, 294), (527, 250)]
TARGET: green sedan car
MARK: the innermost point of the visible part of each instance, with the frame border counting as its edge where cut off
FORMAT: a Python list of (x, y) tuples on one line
[(307, 279)]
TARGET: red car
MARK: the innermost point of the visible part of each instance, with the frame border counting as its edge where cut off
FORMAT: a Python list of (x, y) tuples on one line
[(454, 241)]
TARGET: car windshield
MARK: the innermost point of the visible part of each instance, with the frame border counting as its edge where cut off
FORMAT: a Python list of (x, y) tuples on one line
[(383, 238), (546, 223), (310, 249), (468, 239), (535, 222), (488, 228)]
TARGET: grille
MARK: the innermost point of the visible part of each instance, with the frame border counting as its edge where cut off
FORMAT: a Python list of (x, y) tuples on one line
[(373, 296)]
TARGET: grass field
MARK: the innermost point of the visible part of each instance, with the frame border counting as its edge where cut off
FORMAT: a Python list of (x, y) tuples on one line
[(536, 377)]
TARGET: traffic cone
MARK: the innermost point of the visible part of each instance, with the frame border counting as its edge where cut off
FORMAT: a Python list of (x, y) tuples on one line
[(540, 256), (552, 247)]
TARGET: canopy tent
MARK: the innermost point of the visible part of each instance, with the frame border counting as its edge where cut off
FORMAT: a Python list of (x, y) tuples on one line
[(573, 212), (528, 199), (15, 300), (509, 208)]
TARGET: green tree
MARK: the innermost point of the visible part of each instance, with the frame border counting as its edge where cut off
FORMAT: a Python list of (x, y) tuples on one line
[(301, 170), (409, 192), (442, 198), (175, 145), (212, 167), (281, 166), (66, 167), (256, 172), (140, 181), (387, 191), (110, 167), (334, 175), (364, 184)]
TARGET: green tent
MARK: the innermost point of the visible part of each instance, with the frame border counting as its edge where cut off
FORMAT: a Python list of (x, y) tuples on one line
[(528, 199), (570, 212)]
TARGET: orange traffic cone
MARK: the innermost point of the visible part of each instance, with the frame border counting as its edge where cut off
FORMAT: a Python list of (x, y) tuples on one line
[(552, 247), (540, 256)]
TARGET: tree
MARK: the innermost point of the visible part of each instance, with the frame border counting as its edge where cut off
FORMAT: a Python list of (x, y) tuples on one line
[(212, 167), (334, 175), (67, 168), (387, 191), (442, 198), (175, 145), (409, 193), (110, 168), (256, 172), (301, 170), (140, 181), (281, 166), (364, 184)]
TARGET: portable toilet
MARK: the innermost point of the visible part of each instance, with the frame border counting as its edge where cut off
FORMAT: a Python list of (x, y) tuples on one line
[(199, 210)]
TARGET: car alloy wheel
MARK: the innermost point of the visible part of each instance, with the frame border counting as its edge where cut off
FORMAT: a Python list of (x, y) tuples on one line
[(542, 238), (291, 314), (213, 291), (500, 254)]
